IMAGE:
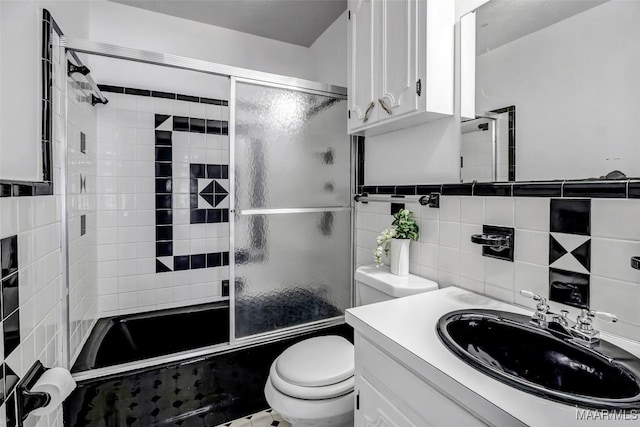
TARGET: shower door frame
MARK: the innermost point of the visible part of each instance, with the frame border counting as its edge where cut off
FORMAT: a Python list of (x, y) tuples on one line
[(235, 75)]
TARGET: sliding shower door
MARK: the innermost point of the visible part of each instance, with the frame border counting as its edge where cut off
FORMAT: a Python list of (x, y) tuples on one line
[(292, 218)]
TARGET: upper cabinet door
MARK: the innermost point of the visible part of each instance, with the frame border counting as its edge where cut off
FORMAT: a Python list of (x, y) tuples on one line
[(363, 70), (399, 54), (400, 63)]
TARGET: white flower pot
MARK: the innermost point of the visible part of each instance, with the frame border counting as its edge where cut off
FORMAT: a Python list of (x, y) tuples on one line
[(399, 264)]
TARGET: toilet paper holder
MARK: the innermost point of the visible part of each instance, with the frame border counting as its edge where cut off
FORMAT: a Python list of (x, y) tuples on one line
[(27, 400)]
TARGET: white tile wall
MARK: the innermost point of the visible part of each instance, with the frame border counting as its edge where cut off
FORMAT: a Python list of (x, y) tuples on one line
[(615, 286), (127, 279), (36, 221)]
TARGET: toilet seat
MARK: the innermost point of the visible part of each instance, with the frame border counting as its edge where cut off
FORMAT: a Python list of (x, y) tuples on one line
[(314, 369), (310, 393)]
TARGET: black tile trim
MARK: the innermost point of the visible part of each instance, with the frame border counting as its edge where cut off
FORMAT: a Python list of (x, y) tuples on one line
[(112, 89), (512, 139), (628, 188), (160, 94), (139, 92), (537, 189), (633, 189), (423, 190), (614, 189), (493, 189), (386, 189), (406, 190), (457, 189)]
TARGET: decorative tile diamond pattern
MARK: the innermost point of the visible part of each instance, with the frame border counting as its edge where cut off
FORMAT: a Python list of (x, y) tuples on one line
[(570, 251), (208, 193)]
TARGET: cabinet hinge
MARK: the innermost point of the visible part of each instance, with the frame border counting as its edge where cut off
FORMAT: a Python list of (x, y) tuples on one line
[(349, 15), (419, 87), (358, 401)]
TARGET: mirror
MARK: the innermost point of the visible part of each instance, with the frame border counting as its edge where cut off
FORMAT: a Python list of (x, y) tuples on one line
[(557, 82)]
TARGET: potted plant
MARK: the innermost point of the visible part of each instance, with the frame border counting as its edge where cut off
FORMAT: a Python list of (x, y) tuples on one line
[(395, 241)]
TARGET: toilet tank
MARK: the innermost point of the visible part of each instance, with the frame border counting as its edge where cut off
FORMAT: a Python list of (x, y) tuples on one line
[(376, 284)]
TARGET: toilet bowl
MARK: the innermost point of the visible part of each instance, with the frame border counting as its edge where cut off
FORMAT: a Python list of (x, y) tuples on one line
[(311, 383)]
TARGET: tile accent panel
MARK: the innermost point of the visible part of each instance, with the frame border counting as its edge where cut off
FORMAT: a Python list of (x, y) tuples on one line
[(162, 201), (599, 256)]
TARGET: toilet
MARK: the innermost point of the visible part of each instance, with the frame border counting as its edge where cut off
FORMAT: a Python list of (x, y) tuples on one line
[(311, 383)]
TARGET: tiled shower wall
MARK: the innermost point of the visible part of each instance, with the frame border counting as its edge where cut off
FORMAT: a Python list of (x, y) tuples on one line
[(81, 213), (162, 184), (445, 253), (30, 236)]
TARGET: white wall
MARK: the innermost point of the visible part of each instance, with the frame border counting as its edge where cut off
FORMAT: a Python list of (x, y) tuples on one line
[(329, 53), (141, 29), (574, 85)]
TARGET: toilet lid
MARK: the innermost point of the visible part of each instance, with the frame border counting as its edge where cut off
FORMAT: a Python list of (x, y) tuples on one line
[(317, 362)]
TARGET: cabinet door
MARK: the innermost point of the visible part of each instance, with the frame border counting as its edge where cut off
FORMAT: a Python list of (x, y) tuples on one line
[(363, 69), (375, 410), (399, 53)]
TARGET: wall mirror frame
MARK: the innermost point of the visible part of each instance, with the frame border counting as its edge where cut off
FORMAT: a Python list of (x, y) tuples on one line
[(568, 69)]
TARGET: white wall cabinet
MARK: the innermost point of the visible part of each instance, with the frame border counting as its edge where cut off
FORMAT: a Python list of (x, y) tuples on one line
[(400, 63)]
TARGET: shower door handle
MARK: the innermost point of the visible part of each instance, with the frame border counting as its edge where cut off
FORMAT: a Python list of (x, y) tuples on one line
[(277, 211), (366, 113)]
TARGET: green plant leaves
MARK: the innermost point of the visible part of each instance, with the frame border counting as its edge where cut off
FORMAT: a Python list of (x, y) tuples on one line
[(405, 226)]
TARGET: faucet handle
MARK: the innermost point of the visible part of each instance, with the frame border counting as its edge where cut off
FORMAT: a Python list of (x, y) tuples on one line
[(609, 317), (584, 318), (542, 305)]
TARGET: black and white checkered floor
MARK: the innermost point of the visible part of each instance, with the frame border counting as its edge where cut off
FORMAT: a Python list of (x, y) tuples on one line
[(200, 393)]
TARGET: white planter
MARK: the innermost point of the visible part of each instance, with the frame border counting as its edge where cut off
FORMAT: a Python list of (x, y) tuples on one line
[(399, 264)]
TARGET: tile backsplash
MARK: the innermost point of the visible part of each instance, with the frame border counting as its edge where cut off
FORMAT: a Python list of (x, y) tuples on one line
[(561, 240)]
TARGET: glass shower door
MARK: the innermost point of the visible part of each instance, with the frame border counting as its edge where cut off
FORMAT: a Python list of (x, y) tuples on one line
[(292, 219)]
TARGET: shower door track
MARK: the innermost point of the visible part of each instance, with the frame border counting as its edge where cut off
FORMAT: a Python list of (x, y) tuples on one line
[(192, 64), (236, 74)]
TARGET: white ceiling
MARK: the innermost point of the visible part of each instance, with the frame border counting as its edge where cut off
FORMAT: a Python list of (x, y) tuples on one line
[(499, 22), (299, 22)]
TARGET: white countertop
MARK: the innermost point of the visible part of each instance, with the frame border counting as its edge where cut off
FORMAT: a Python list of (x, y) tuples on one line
[(406, 328)]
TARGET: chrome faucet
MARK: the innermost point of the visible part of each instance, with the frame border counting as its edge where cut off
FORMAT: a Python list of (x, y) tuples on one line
[(581, 329), (542, 315)]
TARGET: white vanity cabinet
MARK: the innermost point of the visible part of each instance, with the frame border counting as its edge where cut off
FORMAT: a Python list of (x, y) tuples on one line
[(389, 394), (400, 63)]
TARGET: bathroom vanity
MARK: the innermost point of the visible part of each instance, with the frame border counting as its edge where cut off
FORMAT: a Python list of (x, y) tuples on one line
[(405, 376)]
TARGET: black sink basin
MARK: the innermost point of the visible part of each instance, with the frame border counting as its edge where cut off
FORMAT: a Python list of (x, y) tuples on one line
[(542, 362)]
